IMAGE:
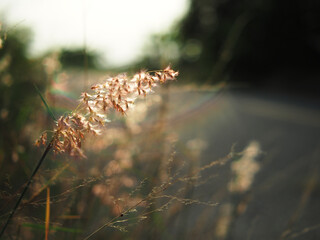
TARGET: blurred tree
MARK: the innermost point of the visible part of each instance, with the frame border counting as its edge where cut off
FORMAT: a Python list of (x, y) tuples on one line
[(79, 58), (246, 39), (18, 98)]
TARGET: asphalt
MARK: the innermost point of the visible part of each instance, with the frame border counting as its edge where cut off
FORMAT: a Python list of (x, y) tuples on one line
[(282, 200)]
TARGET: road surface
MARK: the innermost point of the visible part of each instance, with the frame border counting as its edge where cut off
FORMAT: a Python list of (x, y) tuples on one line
[(280, 193)]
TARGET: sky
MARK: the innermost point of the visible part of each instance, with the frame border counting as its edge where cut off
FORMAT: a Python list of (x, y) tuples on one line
[(117, 29)]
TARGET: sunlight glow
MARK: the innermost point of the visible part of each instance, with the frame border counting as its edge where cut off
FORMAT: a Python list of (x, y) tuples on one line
[(117, 29)]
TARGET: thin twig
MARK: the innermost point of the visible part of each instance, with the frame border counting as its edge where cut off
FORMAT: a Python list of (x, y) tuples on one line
[(27, 186)]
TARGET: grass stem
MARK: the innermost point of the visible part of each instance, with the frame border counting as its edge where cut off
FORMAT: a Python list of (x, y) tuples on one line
[(26, 187)]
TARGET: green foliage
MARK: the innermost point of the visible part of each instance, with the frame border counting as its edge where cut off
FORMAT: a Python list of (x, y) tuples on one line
[(18, 99), (79, 58)]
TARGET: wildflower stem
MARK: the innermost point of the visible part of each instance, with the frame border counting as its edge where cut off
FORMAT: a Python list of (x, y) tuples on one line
[(27, 186)]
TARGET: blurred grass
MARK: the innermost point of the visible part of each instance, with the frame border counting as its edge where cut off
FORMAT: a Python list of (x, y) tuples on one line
[(171, 134), (51, 228)]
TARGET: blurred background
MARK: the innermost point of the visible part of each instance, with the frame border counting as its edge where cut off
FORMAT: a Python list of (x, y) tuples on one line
[(238, 131)]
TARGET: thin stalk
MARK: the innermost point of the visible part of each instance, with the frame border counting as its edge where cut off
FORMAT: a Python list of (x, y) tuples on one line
[(27, 186), (150, 196)]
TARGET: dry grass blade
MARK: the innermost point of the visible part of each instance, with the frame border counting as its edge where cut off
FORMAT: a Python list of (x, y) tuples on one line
[(154, 194), (47, 222), (49, 182)]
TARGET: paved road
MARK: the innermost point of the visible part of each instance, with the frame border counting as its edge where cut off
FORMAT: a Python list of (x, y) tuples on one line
[(282, 200)]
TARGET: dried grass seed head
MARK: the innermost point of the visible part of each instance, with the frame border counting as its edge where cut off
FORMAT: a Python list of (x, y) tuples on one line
[(116, 93)]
